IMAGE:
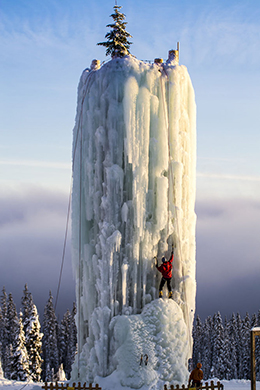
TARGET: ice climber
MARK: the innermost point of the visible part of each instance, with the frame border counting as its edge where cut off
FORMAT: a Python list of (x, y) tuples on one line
[(166, 271), (196, 376)]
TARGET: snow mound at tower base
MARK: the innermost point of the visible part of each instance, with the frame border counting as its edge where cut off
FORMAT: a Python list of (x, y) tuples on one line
[(159, 332)]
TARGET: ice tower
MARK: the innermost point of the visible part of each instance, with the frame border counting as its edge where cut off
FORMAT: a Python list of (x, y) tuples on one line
[(133, 198)]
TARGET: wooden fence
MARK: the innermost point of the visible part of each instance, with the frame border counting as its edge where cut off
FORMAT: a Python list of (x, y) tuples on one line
[(206, 386), (67, 386), (79, 386)]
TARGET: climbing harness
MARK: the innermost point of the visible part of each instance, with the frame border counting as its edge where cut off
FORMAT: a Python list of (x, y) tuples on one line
[(144, 358)]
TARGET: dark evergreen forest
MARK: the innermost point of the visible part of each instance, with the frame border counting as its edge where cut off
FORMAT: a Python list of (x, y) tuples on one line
[(223, 347), (30, 350)]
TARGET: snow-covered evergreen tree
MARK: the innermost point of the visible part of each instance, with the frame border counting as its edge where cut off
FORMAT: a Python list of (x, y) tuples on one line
[(197, 341), (217, 369), (232, 332), (1, 339), (68, 340), (253, 320), (246, 326), (64, 334), (117, 44), (227, 358), (33, 342), (1, 370), (49, 341), (207, 347), (257, 350), (239, 347), (8, 361), (12, 321), (61, 376), (3, 328), (49, 374), (72, 342), (19, 363), (27, 303)]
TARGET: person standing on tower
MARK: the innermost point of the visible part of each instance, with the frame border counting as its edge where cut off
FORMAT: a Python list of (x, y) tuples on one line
[(166, 271)]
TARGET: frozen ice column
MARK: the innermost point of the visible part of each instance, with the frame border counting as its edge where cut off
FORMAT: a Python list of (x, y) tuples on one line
[(133, 197)]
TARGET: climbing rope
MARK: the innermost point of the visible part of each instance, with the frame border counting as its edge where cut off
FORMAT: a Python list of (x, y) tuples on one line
[(70, 194), (64, 246), (79, 131)]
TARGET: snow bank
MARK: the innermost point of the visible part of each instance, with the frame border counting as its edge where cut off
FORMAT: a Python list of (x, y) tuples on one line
[(17, 385), (158, 332)]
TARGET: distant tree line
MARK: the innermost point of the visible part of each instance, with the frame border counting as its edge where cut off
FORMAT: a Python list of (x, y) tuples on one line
[(224, 348), (29, 350)]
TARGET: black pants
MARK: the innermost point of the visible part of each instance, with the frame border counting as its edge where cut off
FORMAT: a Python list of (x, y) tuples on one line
[(163, 281), (195, 383)]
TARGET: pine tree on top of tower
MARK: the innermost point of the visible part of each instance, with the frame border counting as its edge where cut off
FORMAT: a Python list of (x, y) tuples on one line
[(117, 43)]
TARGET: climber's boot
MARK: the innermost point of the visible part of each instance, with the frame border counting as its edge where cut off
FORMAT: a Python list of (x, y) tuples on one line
[(160, 294), (170, 294)]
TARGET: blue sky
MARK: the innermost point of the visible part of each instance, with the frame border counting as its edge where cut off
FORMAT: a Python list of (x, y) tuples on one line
[(44, 47)]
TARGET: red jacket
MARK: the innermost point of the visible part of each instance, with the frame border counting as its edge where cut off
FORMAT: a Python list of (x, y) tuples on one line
[(166, 268)]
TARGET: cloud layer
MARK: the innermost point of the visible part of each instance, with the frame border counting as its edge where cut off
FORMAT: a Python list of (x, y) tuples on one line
[(228, 255), (32, 228)]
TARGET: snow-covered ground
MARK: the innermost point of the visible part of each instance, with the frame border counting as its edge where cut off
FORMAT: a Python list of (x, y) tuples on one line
[(228, 385)]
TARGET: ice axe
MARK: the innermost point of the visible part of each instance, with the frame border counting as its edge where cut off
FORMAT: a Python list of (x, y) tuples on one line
[(156, 264)]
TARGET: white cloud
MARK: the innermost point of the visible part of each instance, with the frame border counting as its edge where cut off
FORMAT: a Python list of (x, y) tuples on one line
[(222, 176), (38, 164)]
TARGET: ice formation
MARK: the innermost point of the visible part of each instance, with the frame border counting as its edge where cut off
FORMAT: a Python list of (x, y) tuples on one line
[(133, 198)]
